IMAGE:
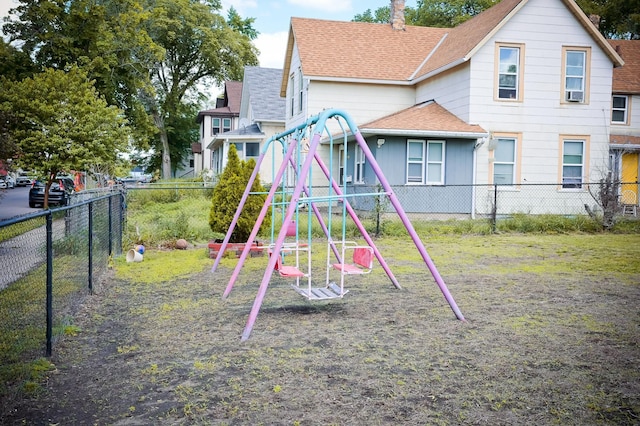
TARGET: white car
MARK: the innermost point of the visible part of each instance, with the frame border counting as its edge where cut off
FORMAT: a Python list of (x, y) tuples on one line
[(3, 184), (9, 181)]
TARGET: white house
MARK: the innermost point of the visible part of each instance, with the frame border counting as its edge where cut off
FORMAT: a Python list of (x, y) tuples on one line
[(521, 93)]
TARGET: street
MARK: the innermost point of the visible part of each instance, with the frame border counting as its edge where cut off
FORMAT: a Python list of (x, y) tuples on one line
[(15, 202)]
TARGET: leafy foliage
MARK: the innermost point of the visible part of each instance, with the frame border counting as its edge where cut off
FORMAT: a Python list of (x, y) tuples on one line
[(63, 123), (619, 19), (227, 195)]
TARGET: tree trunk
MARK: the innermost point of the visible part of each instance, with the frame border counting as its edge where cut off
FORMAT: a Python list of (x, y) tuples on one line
[(164, 140)]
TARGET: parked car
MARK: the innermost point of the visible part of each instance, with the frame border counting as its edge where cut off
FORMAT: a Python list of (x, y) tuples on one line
[(23, 180), (3, 184), (59, 193), (8, 181)]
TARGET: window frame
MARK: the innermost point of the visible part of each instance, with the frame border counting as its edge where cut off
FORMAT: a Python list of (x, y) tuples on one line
[(213, 126), (300, 90), (421, 162), (292, 83), (625, 110), (358, 165), (584, 165), (519, 86), (586, 75), (429, 161), (517, 158), (341, 165), (225, 127)]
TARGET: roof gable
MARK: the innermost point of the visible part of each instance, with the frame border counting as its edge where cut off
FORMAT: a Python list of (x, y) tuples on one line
[(261, 91), (626, 79), (425, 117), (231, 103)]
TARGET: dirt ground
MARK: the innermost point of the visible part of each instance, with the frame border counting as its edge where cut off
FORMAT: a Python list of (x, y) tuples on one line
[(550, 338)]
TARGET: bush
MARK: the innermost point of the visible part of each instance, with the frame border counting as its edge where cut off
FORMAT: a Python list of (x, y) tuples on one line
[(227, 195)]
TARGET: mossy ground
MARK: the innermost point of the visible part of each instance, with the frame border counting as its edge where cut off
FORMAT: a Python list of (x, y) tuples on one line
[(551, 337)]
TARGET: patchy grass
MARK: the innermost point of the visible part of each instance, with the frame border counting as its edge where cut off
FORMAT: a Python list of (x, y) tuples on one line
[(550, 338)]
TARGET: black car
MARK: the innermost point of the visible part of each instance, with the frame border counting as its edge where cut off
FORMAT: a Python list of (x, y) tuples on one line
[(58, 193)]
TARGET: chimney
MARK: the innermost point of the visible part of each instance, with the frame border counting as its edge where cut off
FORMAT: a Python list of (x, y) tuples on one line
[(595, 20), (397, 15)]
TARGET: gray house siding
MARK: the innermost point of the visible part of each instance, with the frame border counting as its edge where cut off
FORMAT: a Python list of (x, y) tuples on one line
[(454, 197)]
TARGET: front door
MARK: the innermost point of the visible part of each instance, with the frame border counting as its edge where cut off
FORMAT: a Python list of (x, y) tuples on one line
[(629, 177)]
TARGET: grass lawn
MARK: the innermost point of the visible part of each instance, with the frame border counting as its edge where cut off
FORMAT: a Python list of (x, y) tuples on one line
[(551, 337)]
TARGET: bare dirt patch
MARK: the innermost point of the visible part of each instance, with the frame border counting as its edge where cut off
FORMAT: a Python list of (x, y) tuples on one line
[(539, 347)]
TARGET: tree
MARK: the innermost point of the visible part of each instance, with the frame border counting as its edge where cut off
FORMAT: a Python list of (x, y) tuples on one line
[(63, 123), (431, 13), (619, 19), (227, 195), (200, 48)]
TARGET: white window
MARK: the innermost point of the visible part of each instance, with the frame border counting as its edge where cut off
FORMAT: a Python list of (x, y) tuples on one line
[(572, 163), (300, 90), (504, 164), (508, 73), (619, 112), (215, 126), (435, 162), (247, 150), (292, 91), (226, 124), (415, 161), (575, 75), (359, 165)]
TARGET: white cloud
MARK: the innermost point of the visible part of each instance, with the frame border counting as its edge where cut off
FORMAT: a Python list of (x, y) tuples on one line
[(325, 5), (272, 49)]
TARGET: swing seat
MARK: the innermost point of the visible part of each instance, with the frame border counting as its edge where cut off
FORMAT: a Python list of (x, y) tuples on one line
[(362, 261), (286, 271), (332, 291)]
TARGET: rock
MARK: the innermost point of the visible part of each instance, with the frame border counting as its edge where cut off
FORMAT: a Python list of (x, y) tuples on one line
[(181, 244)]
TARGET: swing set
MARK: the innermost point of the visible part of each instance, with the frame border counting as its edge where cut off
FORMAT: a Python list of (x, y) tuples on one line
[(291, 257)]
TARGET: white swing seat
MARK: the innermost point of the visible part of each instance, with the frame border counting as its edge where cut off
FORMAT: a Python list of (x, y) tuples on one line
[(332, 291), (362, 261)]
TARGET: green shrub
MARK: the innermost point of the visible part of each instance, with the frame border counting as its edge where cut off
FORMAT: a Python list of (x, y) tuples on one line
[(227, 196)]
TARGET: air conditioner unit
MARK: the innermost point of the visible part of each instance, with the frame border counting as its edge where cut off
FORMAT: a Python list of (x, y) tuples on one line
[(575, 96)]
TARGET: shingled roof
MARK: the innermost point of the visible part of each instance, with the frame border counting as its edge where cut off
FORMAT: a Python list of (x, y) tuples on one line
[(626, 79), (426, 117), (262, 87), (231, 104), (349, 51)]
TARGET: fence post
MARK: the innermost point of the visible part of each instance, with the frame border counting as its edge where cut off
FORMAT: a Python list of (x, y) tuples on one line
[(494, 211), (91, 247), (110, 227), (49, 282)]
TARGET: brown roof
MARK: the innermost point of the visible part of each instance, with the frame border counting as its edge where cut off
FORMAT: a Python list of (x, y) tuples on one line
[(233, 95), (624, 140), (425, 117), (359, 50), (231, 108), (626, 79)]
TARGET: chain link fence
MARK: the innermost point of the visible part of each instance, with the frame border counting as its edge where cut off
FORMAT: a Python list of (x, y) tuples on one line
[(50, 261)]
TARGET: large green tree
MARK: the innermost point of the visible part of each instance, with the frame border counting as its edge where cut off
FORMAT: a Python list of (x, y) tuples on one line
[(62, 123), (107, 38), (200, 48)]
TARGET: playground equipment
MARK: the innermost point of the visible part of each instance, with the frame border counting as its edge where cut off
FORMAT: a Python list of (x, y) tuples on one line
[(299, 152)]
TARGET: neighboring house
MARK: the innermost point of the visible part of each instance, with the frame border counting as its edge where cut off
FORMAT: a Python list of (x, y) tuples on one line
[(223, 118), (625, 118), (521, 93), (261, 115)]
